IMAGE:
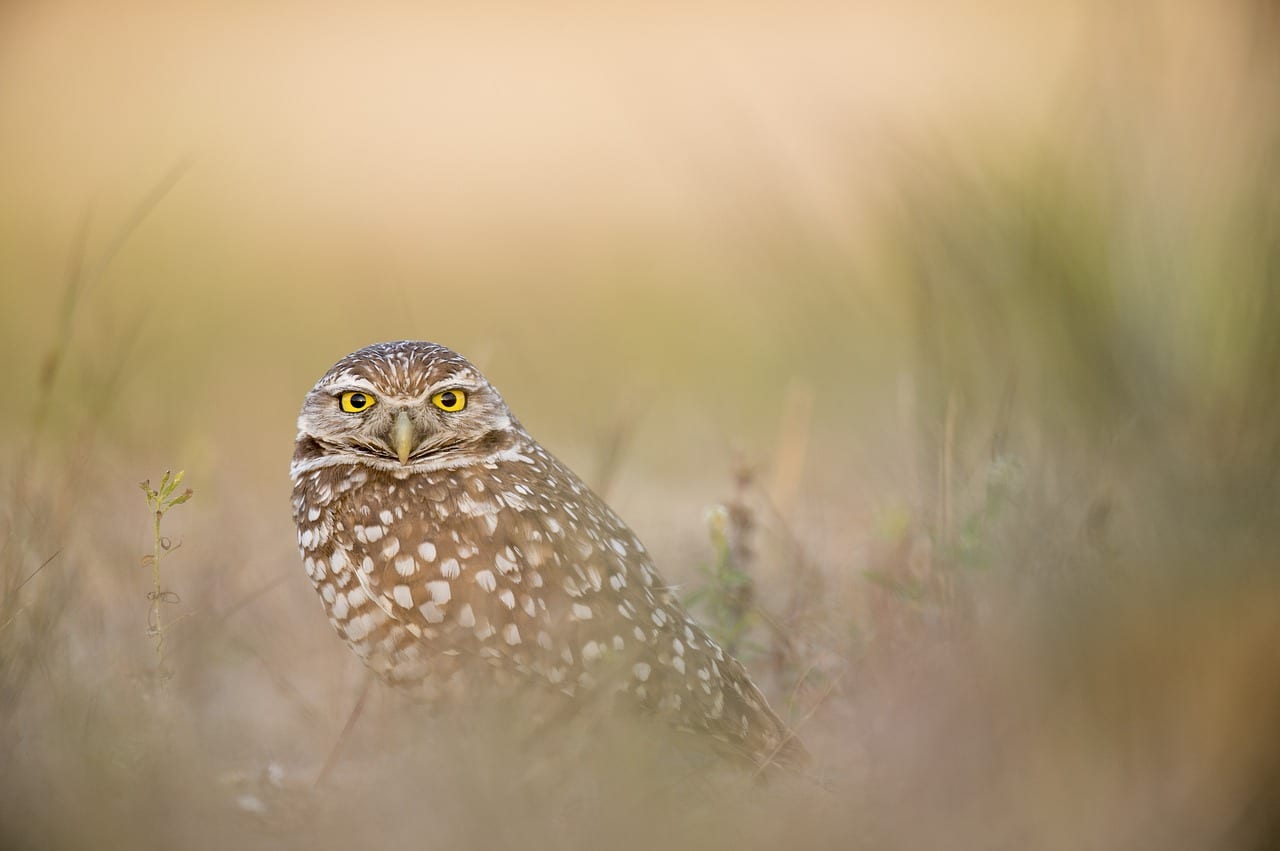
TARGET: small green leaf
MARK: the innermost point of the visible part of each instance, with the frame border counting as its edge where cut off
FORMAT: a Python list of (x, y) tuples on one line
[(173, 484)]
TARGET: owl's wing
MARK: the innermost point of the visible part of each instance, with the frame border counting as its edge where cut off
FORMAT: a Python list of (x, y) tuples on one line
[(605, 620)]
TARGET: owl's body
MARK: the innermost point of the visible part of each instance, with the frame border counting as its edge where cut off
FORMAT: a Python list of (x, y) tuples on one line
[(450, 548)]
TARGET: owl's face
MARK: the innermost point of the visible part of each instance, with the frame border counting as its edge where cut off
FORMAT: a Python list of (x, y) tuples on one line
[(403, 406)]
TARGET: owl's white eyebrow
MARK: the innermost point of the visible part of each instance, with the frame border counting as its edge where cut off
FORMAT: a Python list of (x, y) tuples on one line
[(351, 384), (450, 383)]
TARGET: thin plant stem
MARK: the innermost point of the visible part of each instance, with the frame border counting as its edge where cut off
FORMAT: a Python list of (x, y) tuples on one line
[(157, 599)]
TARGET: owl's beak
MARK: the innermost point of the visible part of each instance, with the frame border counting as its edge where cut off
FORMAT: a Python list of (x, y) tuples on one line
[(404, 437)]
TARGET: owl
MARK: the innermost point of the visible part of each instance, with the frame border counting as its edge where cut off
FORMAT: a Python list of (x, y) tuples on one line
[(451, 549)]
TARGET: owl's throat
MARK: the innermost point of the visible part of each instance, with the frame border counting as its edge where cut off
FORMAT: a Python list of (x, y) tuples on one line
[(312, 452)]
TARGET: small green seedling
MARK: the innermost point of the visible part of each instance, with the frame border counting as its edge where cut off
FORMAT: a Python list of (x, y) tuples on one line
[(161, 500)]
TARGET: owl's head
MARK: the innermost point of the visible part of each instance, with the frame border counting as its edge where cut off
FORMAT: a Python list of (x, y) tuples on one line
[(403, 405)]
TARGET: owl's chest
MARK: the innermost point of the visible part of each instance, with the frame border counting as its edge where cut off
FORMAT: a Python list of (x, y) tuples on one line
[(419, 571), (403, 536)]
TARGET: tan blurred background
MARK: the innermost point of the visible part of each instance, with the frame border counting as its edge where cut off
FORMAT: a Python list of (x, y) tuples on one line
[(971, 307)]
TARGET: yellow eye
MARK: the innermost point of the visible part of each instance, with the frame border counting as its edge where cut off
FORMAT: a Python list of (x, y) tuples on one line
[(353, 402), (450, 400)]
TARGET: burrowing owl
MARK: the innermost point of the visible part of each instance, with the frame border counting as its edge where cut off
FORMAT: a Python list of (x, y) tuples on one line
[(447, 544)]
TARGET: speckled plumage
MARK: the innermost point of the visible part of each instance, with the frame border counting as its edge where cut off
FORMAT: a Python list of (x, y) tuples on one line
[(474, 553)]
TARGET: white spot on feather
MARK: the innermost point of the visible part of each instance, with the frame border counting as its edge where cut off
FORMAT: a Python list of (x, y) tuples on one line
[(440, 592), (358, 627)]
